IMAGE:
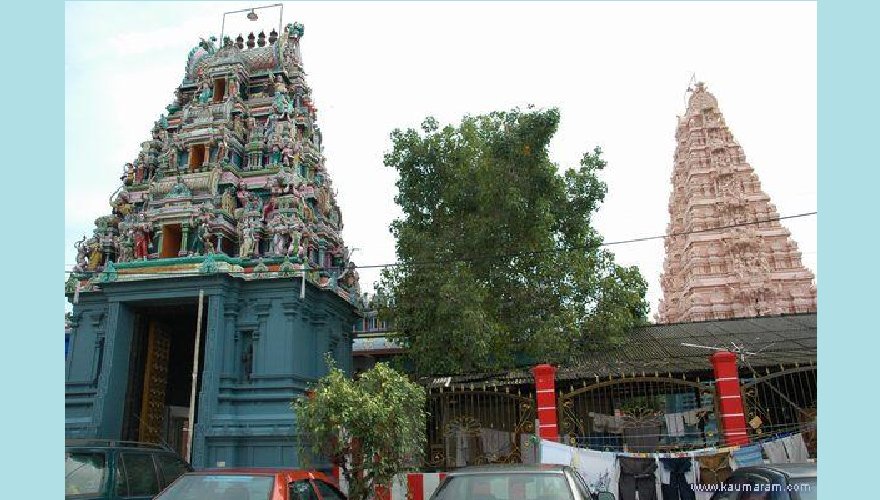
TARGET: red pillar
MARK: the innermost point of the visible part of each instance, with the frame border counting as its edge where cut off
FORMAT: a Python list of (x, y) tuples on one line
[(545, 392), (730, 411)]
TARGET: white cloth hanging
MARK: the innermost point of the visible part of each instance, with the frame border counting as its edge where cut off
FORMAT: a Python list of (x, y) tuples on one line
[(796, 448), (775, 451)]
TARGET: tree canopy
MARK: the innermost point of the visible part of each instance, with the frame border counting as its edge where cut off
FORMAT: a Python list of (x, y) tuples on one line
[(499, 260), (371, 427)]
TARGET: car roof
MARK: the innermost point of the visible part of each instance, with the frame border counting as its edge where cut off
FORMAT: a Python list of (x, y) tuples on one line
[(510, 468), (264, 471), (790, 470)]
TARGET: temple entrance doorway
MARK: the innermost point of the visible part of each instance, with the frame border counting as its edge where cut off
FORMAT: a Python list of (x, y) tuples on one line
[(159, 389)]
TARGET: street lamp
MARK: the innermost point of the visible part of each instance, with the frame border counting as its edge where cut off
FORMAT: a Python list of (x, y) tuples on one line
[(251, 16)]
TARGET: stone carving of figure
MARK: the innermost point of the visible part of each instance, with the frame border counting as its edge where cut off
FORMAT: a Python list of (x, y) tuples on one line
[(242, 194), (293, 246), (222, 147), (247, 242), (227, 203), (128, 174), (279, 243), (238, 127), (269, 208), (253, 203), (95, 255), (281, 104), (141, 242), (232, 89), (205, 237), (125, 248), (205, 94)]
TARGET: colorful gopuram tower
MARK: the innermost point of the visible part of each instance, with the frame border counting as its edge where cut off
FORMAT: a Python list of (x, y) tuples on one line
[(750, 266), (222, 248)]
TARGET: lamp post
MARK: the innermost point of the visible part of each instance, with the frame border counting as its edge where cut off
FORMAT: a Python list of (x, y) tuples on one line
[(252, 16)]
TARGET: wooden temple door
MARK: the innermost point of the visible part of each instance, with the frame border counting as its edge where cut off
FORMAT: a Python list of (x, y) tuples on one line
[(155, 380)]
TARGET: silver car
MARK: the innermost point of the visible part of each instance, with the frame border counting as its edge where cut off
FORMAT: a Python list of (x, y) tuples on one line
[(514, 482)]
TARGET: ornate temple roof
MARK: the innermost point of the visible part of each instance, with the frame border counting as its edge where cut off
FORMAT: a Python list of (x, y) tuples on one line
[(727, 254), (232, 180)]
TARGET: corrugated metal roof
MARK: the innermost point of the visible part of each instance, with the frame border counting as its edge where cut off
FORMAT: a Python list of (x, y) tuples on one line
[(764, 342)]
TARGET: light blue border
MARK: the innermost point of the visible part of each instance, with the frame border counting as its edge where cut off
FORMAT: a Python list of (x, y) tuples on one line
[(848, 194), (32, 361)]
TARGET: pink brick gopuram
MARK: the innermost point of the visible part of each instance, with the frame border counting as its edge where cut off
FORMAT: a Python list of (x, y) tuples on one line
[(749, 269)]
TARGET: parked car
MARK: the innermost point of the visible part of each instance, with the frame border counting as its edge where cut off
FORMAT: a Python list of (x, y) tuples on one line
[(513, 482), (252, 484), (109, 470), (771, 482)]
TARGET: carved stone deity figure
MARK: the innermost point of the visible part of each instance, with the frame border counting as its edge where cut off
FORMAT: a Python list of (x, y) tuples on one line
[(128, 174), (205, 95), (227, 203), (281, 104), (269, 208), (205, 237), (293, 246), (141, 242), (242, 194), (279, 243), (280, 86), (232, 89), (238, 127), (247, 241), (222, 146), (253, 203), (95, 254), (125, 248)]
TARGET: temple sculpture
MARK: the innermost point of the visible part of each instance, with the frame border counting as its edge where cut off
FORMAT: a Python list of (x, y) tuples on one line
[(221, 257), (727, 254)]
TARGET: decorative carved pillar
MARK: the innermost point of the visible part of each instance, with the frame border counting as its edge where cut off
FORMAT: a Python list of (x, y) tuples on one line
[(730, 405), (184, 240), (209, 375), (157, 241), (545, 397)]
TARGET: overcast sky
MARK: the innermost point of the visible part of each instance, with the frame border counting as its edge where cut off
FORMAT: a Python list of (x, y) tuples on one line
[(617, 71)]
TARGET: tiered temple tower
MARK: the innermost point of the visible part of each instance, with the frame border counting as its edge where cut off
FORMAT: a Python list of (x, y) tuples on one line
[(751, 269), (227, 212)]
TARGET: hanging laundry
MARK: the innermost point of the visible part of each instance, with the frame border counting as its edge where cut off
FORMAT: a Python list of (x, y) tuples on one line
[(599, 469), (796, 448), (775, 451), (555, 453), (747, 455), (677, 475), (496, 444), (714, 469), (642, 435), (674, 424), (637, 475)]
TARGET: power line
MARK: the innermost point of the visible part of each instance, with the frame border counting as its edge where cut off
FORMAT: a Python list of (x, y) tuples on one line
[(516, 254)]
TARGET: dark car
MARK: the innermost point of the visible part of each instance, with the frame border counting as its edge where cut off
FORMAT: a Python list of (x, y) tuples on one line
[(513, 482), (252, 484), (771, 482), (110, 470)]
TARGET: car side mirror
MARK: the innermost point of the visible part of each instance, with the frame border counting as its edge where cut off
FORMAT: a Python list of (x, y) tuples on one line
[(606, 495)]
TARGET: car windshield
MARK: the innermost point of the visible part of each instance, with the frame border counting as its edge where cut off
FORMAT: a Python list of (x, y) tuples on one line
[(805, 487), (84, 473), (505, 486), (219, 487)]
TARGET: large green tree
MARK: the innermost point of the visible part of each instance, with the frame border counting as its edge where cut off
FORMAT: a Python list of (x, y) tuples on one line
[(371, 427), (499, 261)]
